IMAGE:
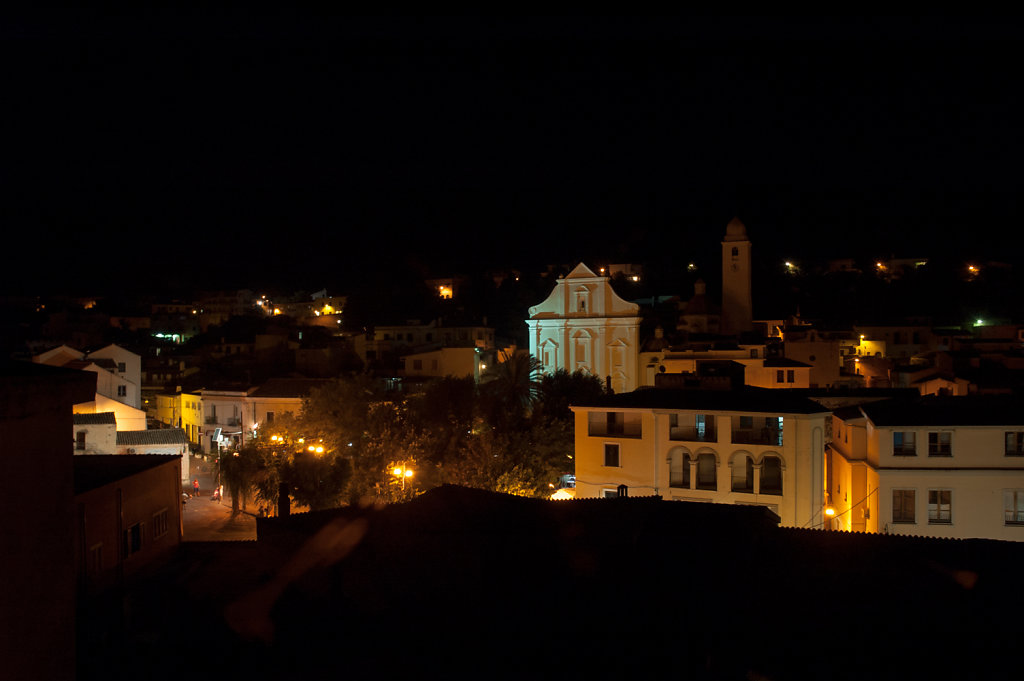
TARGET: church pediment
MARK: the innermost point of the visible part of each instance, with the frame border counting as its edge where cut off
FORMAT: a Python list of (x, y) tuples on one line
[(581, 271), (590, 296)]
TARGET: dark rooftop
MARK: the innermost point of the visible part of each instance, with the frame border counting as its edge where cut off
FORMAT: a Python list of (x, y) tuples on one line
[(92, 471), (103, 418), (970, 410), (156, 436), (473, 584), (288, 387), (747, 399)]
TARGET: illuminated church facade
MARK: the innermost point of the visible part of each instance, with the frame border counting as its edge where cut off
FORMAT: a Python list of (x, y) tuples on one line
[(584, 325)]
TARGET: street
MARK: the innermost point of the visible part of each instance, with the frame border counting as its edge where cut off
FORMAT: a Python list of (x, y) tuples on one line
[(206, 520)]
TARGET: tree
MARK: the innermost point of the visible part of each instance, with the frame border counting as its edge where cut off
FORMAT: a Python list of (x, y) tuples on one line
[(389, 441), (317, 480), (560, 390), (238, 471), (446, 414), (511, 390)]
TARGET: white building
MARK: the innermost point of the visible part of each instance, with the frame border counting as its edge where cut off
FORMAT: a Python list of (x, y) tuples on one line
[(95, 433), (584, 325), (118, 381), (934, 466), (761, 447)]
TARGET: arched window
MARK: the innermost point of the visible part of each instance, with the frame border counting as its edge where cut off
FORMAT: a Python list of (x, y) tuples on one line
[(706, 472), (771, 475), (679, 468), (743, 473)]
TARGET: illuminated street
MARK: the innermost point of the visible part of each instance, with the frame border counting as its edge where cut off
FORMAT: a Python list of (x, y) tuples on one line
[(207, 520)]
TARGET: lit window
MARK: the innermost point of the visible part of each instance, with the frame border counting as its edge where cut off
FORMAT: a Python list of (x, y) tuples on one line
[(904, 443), (1013, 506), (940, 507)]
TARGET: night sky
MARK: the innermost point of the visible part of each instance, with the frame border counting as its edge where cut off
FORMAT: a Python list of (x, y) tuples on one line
[(244, 150)]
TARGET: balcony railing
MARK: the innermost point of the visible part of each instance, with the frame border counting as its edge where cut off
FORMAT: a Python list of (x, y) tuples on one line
[(618, 430), (763, 436), (693, 434), (231, 421)]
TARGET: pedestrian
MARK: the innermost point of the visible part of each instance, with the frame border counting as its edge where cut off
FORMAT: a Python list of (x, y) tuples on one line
[(195, 487)]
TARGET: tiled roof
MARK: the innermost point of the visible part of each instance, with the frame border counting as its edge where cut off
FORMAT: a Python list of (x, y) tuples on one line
[(103, 418), (162, 436)]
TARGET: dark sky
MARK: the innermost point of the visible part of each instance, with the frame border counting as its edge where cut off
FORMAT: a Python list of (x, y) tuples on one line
[(244, 149)]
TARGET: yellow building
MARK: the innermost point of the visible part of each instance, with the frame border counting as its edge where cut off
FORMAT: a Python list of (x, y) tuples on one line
[(760, 447)]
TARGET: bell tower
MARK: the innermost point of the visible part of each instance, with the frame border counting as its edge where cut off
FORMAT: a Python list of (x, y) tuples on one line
[(737, 305)]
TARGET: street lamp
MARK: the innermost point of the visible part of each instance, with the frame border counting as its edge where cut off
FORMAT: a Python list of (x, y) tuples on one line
[(402, 472)]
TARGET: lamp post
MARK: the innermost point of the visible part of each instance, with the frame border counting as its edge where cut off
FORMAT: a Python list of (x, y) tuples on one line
[(402, 472)]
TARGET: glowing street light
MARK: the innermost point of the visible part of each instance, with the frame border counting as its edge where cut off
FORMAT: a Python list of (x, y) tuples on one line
[(402, 472)]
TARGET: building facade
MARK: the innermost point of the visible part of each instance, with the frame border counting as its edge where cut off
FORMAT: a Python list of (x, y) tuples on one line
[(933, 466), (735, 447), (584, 325)]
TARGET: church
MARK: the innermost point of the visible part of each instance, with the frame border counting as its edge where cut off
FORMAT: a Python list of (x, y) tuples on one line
[(584, 325)]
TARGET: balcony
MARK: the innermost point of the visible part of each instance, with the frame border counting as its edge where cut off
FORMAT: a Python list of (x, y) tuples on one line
[(771, 437), (693, 434), (614, 424), (231, 421)]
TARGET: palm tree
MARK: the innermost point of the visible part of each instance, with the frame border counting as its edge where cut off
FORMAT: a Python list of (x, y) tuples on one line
[(511, 389), (237, 472)]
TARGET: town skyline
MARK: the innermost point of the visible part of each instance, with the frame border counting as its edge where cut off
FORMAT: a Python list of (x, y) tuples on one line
[(222, 148)]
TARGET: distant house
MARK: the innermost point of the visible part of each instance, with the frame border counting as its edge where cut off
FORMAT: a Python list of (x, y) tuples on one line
[(277, 397), (95, 433), (118, 381), (441, 362)]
